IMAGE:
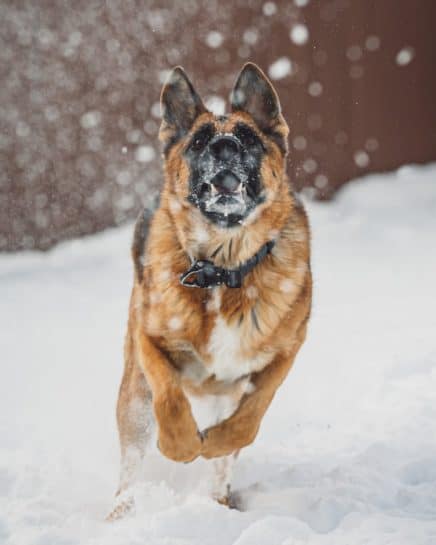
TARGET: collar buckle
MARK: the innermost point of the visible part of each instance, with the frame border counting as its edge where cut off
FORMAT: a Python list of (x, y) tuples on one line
[(202, 274)]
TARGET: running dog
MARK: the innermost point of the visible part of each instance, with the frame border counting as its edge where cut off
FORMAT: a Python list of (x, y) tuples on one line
[(222, 289)]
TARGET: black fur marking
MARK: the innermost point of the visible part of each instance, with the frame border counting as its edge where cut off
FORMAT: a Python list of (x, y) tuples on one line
[(230, 248), (254, 318), (247, 136), (215, 253), (241, 317), (201, 137), (140, 234), (278, 139)]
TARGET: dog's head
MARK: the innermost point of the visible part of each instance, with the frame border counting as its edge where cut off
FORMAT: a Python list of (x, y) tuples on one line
[(226, 166)]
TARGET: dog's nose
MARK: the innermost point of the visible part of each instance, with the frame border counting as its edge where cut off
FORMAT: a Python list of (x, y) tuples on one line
[(224, 148), (226, 182)]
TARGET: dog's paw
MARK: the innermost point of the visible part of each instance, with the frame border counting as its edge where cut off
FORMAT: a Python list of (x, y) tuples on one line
[(232, 500), (179, 449)]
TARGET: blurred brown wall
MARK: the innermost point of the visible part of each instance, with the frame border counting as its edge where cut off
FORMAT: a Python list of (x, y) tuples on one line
[(80, 83)]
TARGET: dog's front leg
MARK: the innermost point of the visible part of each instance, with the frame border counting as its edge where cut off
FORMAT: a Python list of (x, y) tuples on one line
[(178, 436), (241, 428)]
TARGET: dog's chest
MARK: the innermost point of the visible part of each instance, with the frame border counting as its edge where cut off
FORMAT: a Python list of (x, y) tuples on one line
[(226, 362), (226, 351), (215, 387), (226, 348), (211, 409)]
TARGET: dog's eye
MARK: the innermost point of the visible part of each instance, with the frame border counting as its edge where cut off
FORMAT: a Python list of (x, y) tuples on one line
[(247, 136), (201, 138), (198, 143)]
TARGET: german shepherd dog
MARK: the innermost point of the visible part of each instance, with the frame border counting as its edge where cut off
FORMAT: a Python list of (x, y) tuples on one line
[(222, 288)]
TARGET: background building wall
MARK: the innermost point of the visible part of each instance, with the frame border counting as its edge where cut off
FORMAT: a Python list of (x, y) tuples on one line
[(79, 111)]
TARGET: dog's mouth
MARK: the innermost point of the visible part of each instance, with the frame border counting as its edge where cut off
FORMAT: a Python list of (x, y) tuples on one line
[(225, 194)]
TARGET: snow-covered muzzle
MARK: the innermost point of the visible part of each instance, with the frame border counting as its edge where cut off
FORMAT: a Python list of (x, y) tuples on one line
[(225, 182)]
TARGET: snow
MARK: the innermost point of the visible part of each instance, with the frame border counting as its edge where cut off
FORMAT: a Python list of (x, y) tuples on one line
[(310, 165), (22, 129), (354, 53), (346, 453), (250, 36), (321, 181), (269, 8), (299, 143), (371, 144), (215, 104), (301, 3), (299, 34), (361, 158), (144, 154), (175, 323), (91, 119), (214, 39), (372, 43), (279, 69), (315, 89), (405, 56)]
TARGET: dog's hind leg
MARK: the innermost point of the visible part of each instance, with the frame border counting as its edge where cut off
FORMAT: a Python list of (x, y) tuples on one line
[(135, 426), (223, 470)]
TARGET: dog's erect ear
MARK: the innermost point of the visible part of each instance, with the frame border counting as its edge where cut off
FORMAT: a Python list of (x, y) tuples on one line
[(180, 107), (254, 94)]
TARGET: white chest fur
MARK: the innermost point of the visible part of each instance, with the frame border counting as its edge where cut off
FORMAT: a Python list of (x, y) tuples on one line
[(227, 363), (211, 409)]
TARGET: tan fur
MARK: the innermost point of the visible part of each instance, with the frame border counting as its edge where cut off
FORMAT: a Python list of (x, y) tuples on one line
[(170, 326)]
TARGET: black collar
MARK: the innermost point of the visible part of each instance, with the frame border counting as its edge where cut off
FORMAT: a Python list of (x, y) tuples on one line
[(204, 274)]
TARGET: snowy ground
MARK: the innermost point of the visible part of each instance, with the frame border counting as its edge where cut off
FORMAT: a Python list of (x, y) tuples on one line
[(347, 452)]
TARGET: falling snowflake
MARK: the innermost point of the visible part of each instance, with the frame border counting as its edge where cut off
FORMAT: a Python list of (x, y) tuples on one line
[(299, 34), (315, 89), (144, 154), (361, 158), (280, 68), (214, 39), (405, 56), (215, 104)]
